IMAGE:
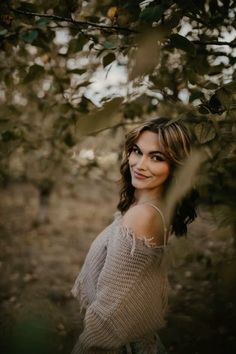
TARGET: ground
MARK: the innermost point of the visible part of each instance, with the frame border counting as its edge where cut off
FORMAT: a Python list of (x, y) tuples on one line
[(41, 256)]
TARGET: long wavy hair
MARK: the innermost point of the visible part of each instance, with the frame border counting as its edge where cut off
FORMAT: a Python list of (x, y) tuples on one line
[(174, 139)]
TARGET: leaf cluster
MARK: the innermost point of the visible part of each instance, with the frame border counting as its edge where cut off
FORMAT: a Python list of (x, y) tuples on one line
[(179, 61)]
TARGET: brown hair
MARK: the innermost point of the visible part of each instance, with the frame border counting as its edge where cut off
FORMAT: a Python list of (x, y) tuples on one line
[(175, 141)]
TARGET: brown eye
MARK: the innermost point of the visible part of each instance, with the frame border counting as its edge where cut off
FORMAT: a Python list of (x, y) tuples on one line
[(158, 158), (135, 150)]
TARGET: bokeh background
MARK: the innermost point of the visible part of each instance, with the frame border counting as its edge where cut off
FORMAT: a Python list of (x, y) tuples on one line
[(75, 77)]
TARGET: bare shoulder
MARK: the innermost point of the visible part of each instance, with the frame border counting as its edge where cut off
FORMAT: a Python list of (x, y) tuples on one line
[(146, 221)]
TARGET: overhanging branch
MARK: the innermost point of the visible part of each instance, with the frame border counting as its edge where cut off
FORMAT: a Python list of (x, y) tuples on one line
[(76, 23)]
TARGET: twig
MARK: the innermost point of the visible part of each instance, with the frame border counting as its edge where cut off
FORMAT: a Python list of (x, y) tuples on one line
[(199, 20), (124, 124), (78, 23)]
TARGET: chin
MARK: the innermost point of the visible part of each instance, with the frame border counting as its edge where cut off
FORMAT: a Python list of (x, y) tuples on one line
[(139, 185), (135, 184)]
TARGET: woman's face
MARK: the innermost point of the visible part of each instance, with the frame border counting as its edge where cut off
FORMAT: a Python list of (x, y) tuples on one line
[(149, 167)]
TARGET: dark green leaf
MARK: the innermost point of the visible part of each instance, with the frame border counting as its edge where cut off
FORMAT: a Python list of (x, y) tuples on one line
[(152, 13), (3, 32), (108, 59), (101, 118), (200, 64), (231, 86), (92, 18), (180, 42), (78, 71), (205, 132), (72, 5), (190, 5), (64, 80), (65, 108), (69, 140), (30, 36), (203, 109), (215, 105), (27, 6), (85, 105), (191, 75), (174, 19), (211, 85), (216, 69), (44, 39), (35, 72), (77, 44), (147, 56), (108, 45), (8, 135), (42, 22), (195, 95)]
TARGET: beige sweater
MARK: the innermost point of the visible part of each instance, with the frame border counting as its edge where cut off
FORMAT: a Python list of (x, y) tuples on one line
[(122, 290)]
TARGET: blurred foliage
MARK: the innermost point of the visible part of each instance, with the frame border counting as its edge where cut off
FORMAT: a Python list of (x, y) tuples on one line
[(180, 62)]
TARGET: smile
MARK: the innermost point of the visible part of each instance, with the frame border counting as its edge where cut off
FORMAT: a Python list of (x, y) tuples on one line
[(139, 175)]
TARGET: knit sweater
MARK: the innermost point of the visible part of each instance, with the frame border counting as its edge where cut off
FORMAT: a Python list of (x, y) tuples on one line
[(122, 291)]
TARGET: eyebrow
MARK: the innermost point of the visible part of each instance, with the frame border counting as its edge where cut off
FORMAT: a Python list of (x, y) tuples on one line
[(151, 152)]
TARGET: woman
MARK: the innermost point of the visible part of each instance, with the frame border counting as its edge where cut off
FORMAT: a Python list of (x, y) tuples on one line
[(123, 287)]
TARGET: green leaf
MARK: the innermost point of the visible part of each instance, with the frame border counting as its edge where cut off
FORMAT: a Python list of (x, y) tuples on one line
[(108, 45), (83, 84), (108, 59), (152, 13), (42, 22), (27, 6), (35, 71), (211, 85), (231, 86), (180, 42), (205, 132), (29, 36), (215, 105), (203, 109), (100, 118), (77, 44), (8, 135), (69, 139), (195, 95), (190, 5), (3, 32), (147, 56), (78, 71), (191, 75), (216, 69), (65, 108), (185, 178)]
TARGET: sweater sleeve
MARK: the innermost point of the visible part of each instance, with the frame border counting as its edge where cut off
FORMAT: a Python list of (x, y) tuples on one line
[(130, 301)]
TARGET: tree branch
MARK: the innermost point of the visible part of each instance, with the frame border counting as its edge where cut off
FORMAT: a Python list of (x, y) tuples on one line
[(76, 23), (122, 124), (231, 44), (199, 20)]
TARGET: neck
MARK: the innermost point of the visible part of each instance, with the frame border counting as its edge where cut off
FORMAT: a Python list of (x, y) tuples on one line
[(141, 198)]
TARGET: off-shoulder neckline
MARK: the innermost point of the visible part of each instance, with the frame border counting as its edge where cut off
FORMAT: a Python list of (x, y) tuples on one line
[(143, 239)]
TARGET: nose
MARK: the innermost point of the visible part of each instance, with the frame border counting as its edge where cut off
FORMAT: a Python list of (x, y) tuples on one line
[(141, 163)]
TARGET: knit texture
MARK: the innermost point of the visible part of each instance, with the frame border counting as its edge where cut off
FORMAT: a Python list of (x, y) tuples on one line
[(122, 290)]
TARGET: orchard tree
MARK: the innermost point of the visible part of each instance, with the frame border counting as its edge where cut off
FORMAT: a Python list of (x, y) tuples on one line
[(177, 58)]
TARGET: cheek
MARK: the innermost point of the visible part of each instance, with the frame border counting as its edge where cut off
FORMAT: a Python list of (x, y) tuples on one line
[(163, 170), (167, 169), (132, 159)]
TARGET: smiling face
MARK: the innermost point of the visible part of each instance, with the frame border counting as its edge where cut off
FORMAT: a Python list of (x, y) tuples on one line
[(148, 164)]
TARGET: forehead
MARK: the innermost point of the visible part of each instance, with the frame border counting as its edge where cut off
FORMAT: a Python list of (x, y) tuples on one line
[(149, 141)]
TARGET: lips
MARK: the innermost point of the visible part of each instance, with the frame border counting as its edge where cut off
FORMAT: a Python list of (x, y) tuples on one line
[(139, 175)]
